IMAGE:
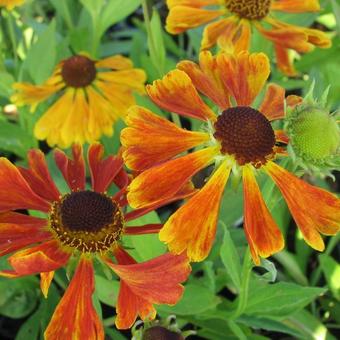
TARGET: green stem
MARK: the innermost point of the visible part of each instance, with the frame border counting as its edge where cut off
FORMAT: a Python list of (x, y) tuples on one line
[(244, 289), (12, 37), (236, 329)]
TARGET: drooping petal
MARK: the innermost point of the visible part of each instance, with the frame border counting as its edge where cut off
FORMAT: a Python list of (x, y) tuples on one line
[(263, 235), (157, 281), (175, 92), (273, 104), (144, 229), (103, 171), (283, 61), (75, 316), (244, 74), (150, 139), (45, 282), (295, 6), (73, 170), (38, 176), (15, 192), (42, 258), (314, 210), (165, 180), (192, 227), (182, 18), (206, 79)]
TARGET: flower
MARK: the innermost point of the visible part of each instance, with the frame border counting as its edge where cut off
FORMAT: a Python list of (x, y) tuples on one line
[(82, 224), (10, 4), (236, 18), (91, 95), (239, 140)]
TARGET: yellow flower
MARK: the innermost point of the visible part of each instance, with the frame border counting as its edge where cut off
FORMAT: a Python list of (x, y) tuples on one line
[(91, 96), (10, 4), (236, 19)]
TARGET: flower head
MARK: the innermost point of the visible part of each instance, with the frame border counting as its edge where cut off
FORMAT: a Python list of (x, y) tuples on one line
[(239, 140), (10, 4), (89, 94), (230, 23), (85, 224)]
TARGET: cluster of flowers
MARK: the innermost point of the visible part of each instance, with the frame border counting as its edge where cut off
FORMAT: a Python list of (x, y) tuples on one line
[(236, 139)]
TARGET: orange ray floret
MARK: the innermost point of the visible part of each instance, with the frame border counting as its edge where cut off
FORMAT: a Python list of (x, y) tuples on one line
[(273, 103)]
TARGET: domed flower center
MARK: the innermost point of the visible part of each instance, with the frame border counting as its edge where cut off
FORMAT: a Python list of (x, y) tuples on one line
[(246, 134), (87, 221), (78, 71), (249, 9)]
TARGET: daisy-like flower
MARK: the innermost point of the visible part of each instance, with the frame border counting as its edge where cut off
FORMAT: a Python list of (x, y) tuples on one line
[(10, 4), (89, 94), (236, 19), (239, 139), (86, 225)]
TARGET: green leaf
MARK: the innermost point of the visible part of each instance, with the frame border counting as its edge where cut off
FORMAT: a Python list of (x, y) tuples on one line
[(44, 47), (107, 290), (94, 7), (279, 299), (6, 84), (231, 259), (15, 139), (331, 270), (196, 299)]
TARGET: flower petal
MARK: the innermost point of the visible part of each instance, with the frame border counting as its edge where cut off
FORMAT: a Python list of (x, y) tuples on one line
[(244, 75), (75, 316), (103, 171), (150, 139), (182, 18), (45, 282), (283, 60), (165, 180), (295, 6), (42, 258), (176, 93), (264, 236), (273, 104), (192, 227), (38, 176), (206, 78), (73, 170), (192, 3), (314, 210), (15, 192), (116, 62), (144, 229)]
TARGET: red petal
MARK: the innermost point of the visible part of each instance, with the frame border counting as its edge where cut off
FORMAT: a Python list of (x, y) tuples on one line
[(73, 170), (75, 316), (273, 104), (103, 171), (144, 229), (15, 192)]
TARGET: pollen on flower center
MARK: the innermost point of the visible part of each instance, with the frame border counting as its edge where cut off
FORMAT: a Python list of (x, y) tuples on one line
[(87, 221), (249, 9), (78, 71), (246, 134)]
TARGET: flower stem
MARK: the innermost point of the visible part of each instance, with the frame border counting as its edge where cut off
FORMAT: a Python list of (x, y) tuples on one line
[(12, 36)]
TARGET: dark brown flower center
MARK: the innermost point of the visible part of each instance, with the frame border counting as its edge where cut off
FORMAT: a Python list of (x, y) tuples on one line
[(161, 333), (87, 221), (78, 71), (249, 9), (246, 134)]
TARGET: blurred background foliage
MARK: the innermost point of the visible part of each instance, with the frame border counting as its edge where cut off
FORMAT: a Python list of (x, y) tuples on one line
[(294, 294)]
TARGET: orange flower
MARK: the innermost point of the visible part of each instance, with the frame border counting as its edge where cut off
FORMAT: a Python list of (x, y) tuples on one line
[(85, 224), (92, 95), (235, 19), (238, 140), (10, 4)]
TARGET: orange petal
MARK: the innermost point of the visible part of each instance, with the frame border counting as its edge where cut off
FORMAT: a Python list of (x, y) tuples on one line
[(144, 229), (293, 100), (284, 62), (38, 176), (318, 38), (314, 210), (244, 75), (45, 282), (206, 79), (182, 18), (263, 235), (273, 104), (103, 171), (165, 180), (73, 170), (150, 139), (157, 281), (75, 316), (42, 258), (295, 6), (192, 3), (281, 136), (192, 227), (175, 92), (15, 192), (116, 62), (212, 32)]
